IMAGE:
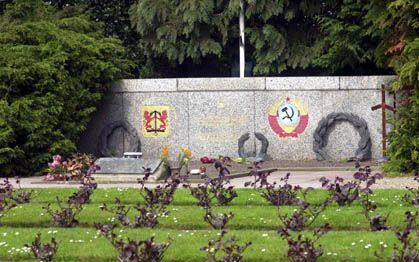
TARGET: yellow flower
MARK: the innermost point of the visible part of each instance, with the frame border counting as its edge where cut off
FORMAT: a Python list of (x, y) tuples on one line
[(188, 153), (165, 151)]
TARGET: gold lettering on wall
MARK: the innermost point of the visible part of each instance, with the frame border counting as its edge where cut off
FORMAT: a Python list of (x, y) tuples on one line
[(220, 121), (219, 128), (217, 137)]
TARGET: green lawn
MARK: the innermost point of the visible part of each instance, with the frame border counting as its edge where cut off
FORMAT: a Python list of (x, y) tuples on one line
[(255, 220)]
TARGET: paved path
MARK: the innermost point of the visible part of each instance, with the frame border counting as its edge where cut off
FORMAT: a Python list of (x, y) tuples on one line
[(302, 178)]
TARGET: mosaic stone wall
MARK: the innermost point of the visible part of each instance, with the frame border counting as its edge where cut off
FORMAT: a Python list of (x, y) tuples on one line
[(208, 115)]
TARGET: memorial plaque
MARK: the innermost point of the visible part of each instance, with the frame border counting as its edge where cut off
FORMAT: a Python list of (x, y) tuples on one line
[(218, 120)]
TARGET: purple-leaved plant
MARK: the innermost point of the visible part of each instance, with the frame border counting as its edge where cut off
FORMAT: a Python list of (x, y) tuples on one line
[(412, 196), (6, 201), (260, 178), (43, 252), (155, 203), (408, 238), (21, 196), (220, 186), (201, 193), (147, 216), (82, 196), (340, 192), (67, 213), (217, 188), (408, 251), (304, 249), (366, 180), (134, 250), (161, 194), (11, 196), (276, 194), (225, 250), (305, 215)]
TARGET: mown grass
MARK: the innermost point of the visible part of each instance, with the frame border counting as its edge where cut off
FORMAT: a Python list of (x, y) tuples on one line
[(254, 220)]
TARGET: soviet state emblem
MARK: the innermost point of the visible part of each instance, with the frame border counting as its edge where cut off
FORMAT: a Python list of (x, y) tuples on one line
[(288, 117), (155, 121)]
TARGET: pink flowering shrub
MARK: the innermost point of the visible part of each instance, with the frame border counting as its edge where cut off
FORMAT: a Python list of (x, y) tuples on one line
[(77, 167), (56, 170), (56, 162)]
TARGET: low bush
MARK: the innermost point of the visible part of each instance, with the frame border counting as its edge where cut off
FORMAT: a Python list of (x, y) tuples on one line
[(407, 251), (277, 195), (217, 188), (340, 192), (43, 252), (225, 250), (161, 194), (6, 201), (305, 215), (304, 249), (10, 196), (147, 215), (55, 66), (133, 250), (412, 196), (378, 221), (67, 213)]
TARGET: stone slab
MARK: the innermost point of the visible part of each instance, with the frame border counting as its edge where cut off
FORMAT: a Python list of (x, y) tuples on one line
[(217, 120), (364, 82), (221, 84), (209, 119), (303, 83), (114, 165), (146, 85)]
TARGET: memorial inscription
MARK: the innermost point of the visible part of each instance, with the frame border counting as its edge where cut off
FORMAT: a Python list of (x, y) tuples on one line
[(213, 128)]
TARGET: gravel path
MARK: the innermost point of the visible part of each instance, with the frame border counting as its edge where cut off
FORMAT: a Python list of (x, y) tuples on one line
[(302, 178)]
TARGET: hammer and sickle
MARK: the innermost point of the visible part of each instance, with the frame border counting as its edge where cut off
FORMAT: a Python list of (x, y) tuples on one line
[(285, 110)]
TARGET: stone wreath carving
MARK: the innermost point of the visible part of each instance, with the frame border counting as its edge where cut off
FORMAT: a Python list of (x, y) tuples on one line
[(262, 155), (134, 146), (323, 129)]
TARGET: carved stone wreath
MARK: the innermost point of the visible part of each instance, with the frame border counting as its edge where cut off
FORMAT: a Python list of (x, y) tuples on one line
[(262, 155), (107, 131), (323, 129)]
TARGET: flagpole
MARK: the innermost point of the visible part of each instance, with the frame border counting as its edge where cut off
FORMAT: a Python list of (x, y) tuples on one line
[(241, 40)]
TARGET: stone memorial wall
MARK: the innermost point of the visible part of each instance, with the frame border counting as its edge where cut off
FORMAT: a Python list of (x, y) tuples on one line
[(209, 115)]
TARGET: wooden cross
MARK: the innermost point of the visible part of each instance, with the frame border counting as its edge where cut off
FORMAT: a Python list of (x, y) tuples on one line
[(383, 106)]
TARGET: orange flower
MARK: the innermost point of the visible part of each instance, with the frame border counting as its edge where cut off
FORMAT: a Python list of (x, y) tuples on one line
[(165, 151), (188, 153)]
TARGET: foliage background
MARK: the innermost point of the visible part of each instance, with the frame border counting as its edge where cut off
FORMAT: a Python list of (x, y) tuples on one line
[(172, 38), (384, 33), (54, 68), (298, 38)]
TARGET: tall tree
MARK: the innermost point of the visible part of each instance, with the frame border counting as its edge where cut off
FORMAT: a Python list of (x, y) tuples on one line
[(280, 33), (54, 68), (3, 4), (383, 33), (113, 14)]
